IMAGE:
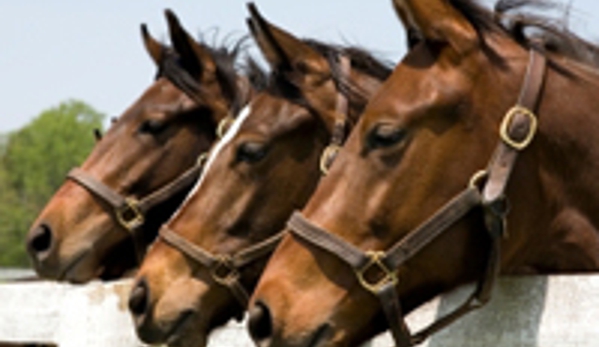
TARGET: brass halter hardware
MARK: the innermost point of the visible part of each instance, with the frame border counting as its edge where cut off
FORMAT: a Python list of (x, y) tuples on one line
[(505, 125), (224, 271), (376, 262), (327, 158), (478, 178), (223, 126), (129, 215), (202, 158)]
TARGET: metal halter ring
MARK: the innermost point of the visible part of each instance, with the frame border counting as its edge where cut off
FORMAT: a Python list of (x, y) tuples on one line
[(376, 261), (477, 178), (129, 215), (327, 158), (505, 124), (202, 158), (223, 126), (223, 272)]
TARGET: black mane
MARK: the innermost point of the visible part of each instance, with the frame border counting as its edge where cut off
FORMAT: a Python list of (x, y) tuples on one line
[(280, 83), (531, 31), (226, 56)]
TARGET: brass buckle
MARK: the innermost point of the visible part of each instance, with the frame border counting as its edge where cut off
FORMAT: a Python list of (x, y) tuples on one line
[(327, 157), (507, 120), (376, 260), (477, 178), (223, 126), (202, 159), (129, 215), (224, 272)]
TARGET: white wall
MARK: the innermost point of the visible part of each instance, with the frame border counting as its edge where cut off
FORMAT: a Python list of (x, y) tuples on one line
[(560, 311)]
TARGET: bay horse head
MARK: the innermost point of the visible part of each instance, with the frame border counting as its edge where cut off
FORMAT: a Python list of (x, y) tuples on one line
[(200, 271), (406, 212), (102, 218)]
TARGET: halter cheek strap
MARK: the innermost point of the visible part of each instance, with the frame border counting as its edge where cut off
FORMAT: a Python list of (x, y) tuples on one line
[(376, 270)]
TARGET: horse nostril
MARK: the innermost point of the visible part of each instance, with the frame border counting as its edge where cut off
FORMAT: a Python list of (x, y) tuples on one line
[(139, 298), (40, 240), (260, 323)]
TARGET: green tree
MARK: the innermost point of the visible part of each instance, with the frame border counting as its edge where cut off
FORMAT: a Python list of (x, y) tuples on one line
[(33, 164)]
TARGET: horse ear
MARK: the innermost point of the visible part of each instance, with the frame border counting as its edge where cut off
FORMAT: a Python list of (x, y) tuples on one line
[(437, 20), (195, 57), (282, 50), (153, 47)]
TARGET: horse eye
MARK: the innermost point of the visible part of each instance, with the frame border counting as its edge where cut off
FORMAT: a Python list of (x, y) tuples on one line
[(251, 152), (152, 127), (414, 38), (385, 136)]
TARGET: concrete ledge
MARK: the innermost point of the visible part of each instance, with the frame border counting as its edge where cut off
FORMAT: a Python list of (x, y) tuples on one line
[(524, 312)]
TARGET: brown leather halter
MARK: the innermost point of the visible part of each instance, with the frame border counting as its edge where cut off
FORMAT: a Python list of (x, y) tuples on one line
[(517, 131), (225, 269), (130, 212)]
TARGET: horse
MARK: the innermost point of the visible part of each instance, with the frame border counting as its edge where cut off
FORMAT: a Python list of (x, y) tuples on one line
[(200, 271), (476, 157), (100, 221)]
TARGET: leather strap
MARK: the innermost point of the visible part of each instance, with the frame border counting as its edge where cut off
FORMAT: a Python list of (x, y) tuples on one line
[(517, 131), (184, 180), (225, 269), (505, 155), (97, 188), (129, 212)]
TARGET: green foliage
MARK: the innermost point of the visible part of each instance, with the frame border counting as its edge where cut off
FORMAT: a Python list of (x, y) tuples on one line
[(33, 164)]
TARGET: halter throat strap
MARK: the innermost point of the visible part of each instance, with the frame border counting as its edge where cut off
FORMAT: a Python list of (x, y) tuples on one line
[(517, 131)]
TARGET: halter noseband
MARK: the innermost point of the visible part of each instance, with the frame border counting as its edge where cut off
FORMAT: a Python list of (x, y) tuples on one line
[(516, 132), (129, 212), (225, 269)]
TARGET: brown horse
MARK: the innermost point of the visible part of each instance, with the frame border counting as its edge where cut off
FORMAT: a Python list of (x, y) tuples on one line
[(397, 222), (100, 221), (198, 274)]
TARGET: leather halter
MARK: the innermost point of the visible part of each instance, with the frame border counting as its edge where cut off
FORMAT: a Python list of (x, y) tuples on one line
[(130, 212), (517, 131), (225, 269)]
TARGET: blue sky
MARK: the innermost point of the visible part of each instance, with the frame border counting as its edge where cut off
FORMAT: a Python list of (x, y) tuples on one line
[(51, 51)]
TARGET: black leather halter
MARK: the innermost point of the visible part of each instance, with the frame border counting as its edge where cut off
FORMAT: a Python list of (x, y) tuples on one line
[(517, 131)]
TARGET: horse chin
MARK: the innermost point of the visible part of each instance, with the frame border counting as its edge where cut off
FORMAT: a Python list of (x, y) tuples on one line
[(82, 268), (187, 333), (321, 337)]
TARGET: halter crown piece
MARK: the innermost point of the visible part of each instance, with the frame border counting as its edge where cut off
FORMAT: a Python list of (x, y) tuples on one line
[(516, 132)]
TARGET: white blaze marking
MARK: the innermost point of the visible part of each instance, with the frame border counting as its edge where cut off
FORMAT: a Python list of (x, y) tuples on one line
[(229, 135)]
